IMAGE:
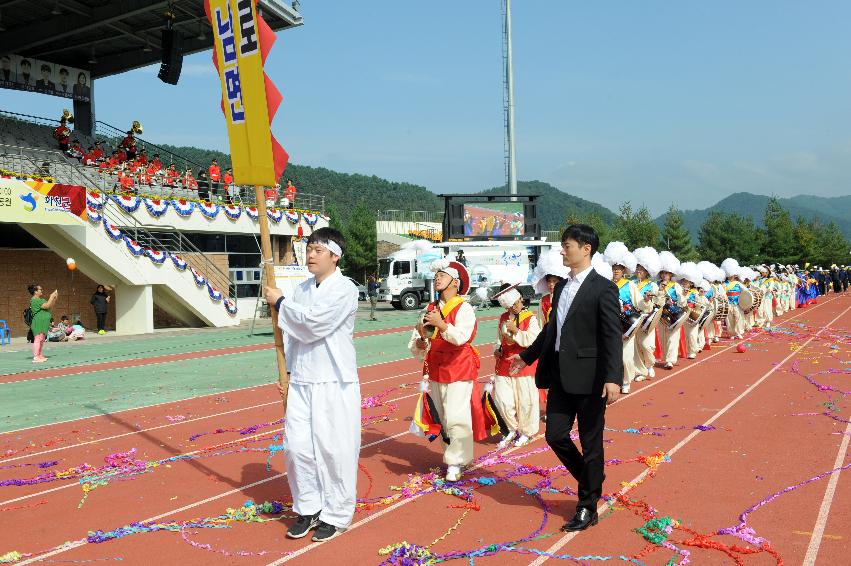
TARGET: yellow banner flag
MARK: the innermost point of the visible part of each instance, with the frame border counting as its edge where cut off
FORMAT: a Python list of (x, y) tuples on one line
[(238, 58)]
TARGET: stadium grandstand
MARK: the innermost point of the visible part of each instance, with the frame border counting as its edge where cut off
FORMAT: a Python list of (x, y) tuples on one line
[(176, 239)]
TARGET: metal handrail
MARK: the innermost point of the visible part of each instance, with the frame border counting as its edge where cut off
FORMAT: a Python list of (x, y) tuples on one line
[(118, 134), (169, 239)]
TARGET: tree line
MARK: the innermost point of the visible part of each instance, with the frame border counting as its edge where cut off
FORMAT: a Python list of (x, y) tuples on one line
[(782, 239)]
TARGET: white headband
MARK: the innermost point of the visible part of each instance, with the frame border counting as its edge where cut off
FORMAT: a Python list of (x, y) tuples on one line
[(332, 247)]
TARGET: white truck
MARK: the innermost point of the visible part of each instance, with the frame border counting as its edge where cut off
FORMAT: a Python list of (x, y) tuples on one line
[(406, 279)]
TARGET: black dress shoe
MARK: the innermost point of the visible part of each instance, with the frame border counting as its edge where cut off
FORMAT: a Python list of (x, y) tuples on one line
[(583, 519)]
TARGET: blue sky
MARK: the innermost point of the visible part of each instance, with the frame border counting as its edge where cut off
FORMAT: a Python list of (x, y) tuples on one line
[(653, 102)]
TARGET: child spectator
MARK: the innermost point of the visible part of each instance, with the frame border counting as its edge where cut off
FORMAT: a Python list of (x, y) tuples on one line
[(76, 331), (59, 332), (172, 176)]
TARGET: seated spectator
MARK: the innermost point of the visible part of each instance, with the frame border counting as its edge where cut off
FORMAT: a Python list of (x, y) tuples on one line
[(172, 176), (76, 331), (289, 194), (76, 150), (62, 135), (121, 154), (90, 158), (272, 195), (98, 153), (189, 181), (144, 178), (156, 162), (143, 158), (125, 181), (58, 332)]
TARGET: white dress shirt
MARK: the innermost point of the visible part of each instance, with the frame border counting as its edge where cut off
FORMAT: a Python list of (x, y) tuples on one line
[(318, 322), (568, 293)]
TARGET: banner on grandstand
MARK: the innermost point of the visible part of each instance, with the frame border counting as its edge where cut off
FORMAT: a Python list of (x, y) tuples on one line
[(34, 202), (35, 75), (242, 40)]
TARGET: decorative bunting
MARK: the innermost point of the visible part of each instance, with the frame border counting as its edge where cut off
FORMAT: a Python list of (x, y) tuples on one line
[(130, 203), (156, 256), (214, 294), (200, 280), (133, 246), (182, 206), (252, 212), (310, 217), (93, 215), (230, 306), (156, 207), (208, 209), (274, 214), (292, 217), (178, 262), (232, 212), (111, 230), (95, 199)]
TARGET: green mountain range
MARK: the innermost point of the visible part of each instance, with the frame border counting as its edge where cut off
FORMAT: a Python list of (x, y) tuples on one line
[(826, 209), (344, 191)]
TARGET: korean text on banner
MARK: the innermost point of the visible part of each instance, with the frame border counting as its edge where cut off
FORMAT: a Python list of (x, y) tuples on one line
[(238, 57)]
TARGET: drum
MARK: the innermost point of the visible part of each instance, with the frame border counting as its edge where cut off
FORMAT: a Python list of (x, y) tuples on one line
[(722, 307), (696, 315), (758, 296), (674, 316), (630, 321), (707, 315), (746, 299), (652, 320)]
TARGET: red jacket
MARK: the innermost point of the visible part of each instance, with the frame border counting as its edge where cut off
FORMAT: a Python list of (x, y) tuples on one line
[(215, 173), (503, 362), (446, 362)]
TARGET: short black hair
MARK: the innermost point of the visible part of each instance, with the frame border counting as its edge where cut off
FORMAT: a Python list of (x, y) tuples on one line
[(326, 234), (64, 317), (26, 62), (582, 234), (32, 288), (46, 67), (63, 71)]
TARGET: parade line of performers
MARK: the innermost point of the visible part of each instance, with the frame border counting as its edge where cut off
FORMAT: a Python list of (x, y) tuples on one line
[(668, 310)]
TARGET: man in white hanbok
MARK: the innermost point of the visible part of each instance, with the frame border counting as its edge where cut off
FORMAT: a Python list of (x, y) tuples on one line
[(322, 426)]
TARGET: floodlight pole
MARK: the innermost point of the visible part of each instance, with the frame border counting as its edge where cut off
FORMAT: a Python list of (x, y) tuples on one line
[(511, 165)]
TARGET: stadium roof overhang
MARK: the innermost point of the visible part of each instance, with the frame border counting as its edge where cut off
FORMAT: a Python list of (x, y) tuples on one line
[(109, 37)]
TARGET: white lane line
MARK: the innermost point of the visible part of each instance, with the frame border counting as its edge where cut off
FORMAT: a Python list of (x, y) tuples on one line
[(568, 537), (827, 501), (77, 544)]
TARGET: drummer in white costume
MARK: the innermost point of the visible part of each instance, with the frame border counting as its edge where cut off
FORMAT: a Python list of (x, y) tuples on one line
[(323, 424), (690, 277), (647, 269), (669, 338), (623, 263)]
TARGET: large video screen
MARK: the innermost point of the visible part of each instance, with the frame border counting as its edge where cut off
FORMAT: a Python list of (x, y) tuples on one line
[(493, 219)]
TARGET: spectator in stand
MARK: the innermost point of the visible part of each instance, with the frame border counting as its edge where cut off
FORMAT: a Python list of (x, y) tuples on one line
[(63, 135), (189, 181), (90, 157), (272, 195), (215, 177), (100, 301), (143, 157), (172, 176), (126, 181), (121, 154), (204, 189), (98, 151), (129, 145), (76, 150), (76, 331), (40, 325), (156, 163), (230, 189), (289, 193)]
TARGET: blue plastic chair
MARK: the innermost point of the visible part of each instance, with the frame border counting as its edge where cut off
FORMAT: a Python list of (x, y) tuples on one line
[(5, 333)]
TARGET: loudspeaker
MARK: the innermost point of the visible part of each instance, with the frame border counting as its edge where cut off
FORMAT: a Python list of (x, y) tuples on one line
[(172, 61)]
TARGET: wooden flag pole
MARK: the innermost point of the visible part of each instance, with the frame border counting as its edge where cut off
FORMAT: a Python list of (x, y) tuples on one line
[(270, 281)]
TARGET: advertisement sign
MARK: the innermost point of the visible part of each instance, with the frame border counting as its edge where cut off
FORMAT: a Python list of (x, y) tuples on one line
[(32, 202), (35, 75)]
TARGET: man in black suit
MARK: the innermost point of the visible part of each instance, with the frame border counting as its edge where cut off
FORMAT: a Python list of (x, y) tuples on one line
[(580, 361)]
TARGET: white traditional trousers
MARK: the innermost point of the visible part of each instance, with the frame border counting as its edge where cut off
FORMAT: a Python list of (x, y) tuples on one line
[(323, 445), (452, 401), (735, 321), (629, 369), (670, 342), (518, 402), (645, 352)]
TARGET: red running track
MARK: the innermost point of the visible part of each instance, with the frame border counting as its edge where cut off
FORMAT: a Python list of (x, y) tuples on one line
[(756, 450)]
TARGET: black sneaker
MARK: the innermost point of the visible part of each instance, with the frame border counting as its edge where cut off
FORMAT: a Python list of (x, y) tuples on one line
[(303, 525), (325, 532)]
